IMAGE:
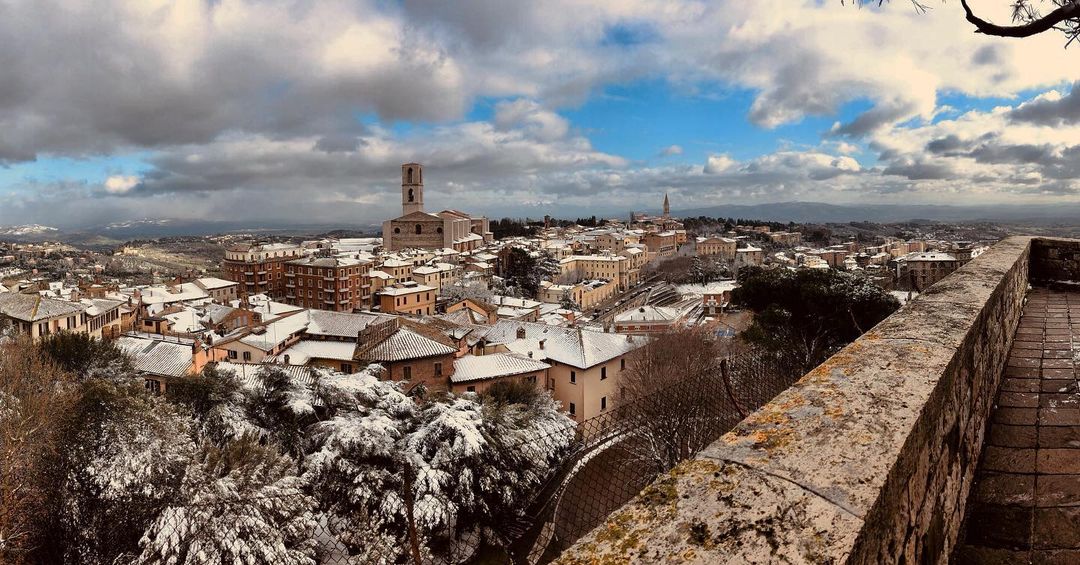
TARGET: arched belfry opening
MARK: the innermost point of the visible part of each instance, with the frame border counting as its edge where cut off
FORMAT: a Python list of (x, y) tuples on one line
[(412, 188)]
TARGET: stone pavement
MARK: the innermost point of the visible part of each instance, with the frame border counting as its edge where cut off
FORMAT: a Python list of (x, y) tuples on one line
[(1024, 506)]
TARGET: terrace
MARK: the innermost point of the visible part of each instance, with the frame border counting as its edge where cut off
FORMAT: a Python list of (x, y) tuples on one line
[(951, 431)]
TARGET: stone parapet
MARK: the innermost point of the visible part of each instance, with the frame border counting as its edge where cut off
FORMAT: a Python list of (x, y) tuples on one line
[(867, 459)]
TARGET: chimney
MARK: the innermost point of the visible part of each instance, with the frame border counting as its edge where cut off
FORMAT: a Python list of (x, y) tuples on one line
[(542, 344), (521, 333), (530, 355)]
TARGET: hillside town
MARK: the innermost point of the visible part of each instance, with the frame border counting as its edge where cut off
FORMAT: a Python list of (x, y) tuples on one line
[(441, 303)]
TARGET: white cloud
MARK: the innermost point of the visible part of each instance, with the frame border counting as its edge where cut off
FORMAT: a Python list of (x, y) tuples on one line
[(119, 184), (671, 150)]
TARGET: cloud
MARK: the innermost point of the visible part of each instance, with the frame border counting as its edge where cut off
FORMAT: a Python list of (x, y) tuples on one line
[(671, 150), (259, 109), (715, 164), (1050, 109), (119, 184)]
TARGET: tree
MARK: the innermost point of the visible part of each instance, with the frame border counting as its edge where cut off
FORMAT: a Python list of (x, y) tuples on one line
[(240, 503), (448, 471), (125, 456), (34, 395), (672, 388), (459, 292), (1027, 17), (86, 356), (810, 313), (521, 272)]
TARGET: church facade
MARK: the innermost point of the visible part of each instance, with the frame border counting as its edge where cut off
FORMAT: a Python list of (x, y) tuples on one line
[(418, 229)]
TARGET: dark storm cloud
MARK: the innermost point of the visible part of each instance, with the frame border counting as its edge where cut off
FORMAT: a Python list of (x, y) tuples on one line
[(876, 118), (1048, 112)]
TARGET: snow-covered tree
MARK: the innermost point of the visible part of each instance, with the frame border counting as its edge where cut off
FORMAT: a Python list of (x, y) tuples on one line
[(241, 503), (126, 457), (459, 292), (452, 466)]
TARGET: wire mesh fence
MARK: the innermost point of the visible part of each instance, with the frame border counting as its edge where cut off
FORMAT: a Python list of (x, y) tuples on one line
[(522, 511)]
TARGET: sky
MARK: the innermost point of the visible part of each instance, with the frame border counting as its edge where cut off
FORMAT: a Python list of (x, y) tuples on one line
[(290, 111)]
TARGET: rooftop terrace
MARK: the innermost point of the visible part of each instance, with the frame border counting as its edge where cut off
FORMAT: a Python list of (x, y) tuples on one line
[(871, 457)]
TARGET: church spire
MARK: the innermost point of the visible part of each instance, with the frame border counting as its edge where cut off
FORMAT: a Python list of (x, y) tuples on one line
[(667, 207)]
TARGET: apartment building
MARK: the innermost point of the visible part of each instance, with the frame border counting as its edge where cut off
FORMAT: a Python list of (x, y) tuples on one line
[(260, 269), (338, 284), (437, 275), (409, 298), (609, 267), (661, 244), (920, 270), (722, 247)]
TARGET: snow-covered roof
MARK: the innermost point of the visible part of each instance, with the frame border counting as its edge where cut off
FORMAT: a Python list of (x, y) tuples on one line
[(717, 287), (340, 324), (481, 367), (168, 357), (99, 306), (211, 283), (399, 340), (303, 351), (648, 313), (397, 290), (929, 256), (577, 347), (34, 307), (184, 321), (249, 374)]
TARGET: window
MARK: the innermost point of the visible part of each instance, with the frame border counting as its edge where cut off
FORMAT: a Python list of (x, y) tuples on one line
[(470, 389), (531, 379), (406, 373), (603, 373), (622, 364), (419, 229), (573, 409), (438, 230), (232, 354), (153, 386), (247, 356), (346, 368), (397, 230), (603, 403), (411, 196), (438, 369), (573, 377)]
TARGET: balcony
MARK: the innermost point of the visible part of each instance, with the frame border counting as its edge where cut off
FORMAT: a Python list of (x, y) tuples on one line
[(947, 432), (290, 274)]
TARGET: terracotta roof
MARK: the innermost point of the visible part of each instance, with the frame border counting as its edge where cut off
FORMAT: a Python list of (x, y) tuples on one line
[(400, 339), (34, 307), (481, 367)]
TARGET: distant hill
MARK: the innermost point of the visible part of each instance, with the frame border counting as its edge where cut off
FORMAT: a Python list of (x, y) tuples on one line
[(819, 212), (152, 228)]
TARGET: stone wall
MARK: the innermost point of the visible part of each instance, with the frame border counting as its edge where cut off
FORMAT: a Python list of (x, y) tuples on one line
[(867, 459), (1055, 261)]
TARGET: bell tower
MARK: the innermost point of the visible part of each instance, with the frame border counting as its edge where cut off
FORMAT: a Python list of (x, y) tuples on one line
[(412, 188)]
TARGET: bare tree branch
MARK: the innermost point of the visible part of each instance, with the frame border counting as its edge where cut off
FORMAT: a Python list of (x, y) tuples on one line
[(1065, 12)]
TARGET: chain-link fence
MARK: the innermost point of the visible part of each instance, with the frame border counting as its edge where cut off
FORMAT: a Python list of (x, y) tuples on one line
[(589, 470)]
